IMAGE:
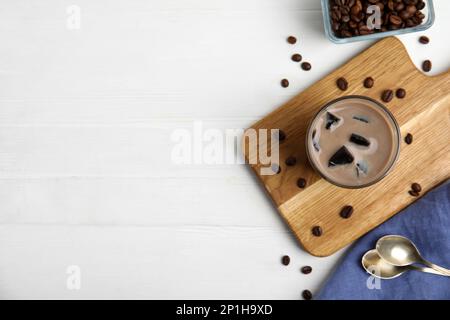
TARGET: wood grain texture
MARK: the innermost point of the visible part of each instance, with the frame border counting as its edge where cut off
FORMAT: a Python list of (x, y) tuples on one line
[(83, 111), (424, 113)]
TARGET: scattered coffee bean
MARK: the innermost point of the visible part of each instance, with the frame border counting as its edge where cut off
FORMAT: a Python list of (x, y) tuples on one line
[(292, 40), (296, 57), (409, 138), (427, 65), (291, 161), (285, 260), (317, 231), (307, 295), (285, 83), (276, 168), (306, 66), (306, 270), (416, 187), (349, 18), (387, 95), (424, 40), (400, 93), (413, 193), (281, 135), (346, 212), (301, 183), (342, 84), (369, 82)]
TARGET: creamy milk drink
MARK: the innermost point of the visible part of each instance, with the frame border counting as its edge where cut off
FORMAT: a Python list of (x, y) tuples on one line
[(353, 142)]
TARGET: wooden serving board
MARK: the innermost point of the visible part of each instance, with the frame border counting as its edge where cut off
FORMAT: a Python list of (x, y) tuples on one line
[(424, 112)]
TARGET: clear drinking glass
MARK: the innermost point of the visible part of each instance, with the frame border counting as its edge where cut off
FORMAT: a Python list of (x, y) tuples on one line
[(428, 11), (377, 116)]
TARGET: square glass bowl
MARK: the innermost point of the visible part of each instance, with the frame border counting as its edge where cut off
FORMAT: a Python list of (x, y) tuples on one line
[(428, 11)]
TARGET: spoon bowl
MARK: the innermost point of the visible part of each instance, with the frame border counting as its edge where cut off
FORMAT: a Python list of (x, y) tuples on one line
[(398, 250), (379, 268), (401, 251)]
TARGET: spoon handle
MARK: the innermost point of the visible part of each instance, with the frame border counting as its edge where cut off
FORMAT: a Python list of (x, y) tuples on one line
[(437, 268), (429, 270)]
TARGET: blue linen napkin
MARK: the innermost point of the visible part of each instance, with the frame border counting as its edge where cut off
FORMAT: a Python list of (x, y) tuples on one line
[(427, 223)]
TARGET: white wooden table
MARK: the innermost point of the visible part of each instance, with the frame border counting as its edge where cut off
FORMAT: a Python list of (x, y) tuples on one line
[(86, 117)]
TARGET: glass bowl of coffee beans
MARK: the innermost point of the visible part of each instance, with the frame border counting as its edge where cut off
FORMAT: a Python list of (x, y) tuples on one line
[(356, 20)]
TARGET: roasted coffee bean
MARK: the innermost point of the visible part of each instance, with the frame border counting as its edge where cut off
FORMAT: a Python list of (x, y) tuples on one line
[(414, 193), (291, 161), (409, 23), (346, 212), (395, 20), (390, 5), (387, 95), (400, 93), (292, 40), (427, 65), (399, 7), (301, 183), (355, 10), (345, 18), (285, 83), (336, 14), (409, 138), (411, 9), (363, 30), (346, 34), (424, 40), (307, 295), (306, 66), (416, 187), (306, 270), (317, 231), (342, 84), (281, 135), (285, 260), (296, 57), (420, 5), (369, 82)]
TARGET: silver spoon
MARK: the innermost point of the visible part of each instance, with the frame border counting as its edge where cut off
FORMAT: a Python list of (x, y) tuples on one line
[(400, 251), (374, 265)]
